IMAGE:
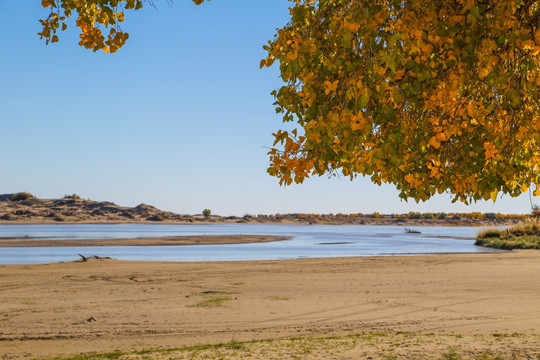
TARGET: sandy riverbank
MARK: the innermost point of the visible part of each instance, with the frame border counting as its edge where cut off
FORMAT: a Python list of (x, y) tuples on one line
[(105, 305), (158, 241)]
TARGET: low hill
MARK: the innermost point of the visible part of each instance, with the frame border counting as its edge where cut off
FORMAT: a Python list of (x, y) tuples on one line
[(24, 207)]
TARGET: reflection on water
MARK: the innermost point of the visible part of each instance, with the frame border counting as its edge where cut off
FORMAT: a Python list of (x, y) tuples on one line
[(309, 241)]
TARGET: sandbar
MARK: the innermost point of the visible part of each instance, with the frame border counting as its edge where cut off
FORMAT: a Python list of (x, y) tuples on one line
[(146, 241)]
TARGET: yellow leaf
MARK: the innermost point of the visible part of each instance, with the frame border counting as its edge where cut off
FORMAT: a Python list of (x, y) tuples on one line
[(292, 55), (492, 60), (409, 178), (399, 74), (434, 142), (380, 70), (330, 86), (490, 150)]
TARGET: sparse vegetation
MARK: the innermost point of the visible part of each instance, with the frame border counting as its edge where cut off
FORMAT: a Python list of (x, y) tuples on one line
[(157, 217), (451, 355), (72, 197), (213, 302), (377, 346), (526, 236)]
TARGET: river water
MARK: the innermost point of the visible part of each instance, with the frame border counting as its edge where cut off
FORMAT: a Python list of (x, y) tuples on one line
[(308, 241)]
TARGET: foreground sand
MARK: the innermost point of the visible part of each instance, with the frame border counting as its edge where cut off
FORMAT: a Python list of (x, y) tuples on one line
[(416, 306)]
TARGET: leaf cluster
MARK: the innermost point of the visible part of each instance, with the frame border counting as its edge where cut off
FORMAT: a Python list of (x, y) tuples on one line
[(92, 18), (430, 96)]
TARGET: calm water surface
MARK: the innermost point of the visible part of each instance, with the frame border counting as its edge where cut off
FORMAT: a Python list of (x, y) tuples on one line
[(308, 241)]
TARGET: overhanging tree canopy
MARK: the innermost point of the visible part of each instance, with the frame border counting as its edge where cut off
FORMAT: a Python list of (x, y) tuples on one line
[(429, 95), (432, 96)]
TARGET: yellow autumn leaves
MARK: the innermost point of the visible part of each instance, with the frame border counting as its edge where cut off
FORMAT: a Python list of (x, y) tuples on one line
[(92, 17), (430, 96)]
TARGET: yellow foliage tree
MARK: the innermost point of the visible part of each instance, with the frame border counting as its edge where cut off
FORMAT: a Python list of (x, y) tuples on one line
[(428, 95)]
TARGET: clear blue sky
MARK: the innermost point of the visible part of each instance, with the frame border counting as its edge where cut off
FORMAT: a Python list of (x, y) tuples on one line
[(179, 118)]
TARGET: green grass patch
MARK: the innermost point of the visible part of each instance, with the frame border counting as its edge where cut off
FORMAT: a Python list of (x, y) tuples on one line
[(525, 236), (232, 345), (213, 302)]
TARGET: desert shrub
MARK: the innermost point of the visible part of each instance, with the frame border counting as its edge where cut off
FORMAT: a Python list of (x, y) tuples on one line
[(157, 217), (490, 234), (441, 215), (414, 215), (490, 216), (535, 213), (72, 197), (21, 196)]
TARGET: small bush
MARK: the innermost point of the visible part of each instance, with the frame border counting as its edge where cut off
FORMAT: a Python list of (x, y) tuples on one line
[(21, 196), (490, 234), (72, 197), (157, 217), (490, 216)]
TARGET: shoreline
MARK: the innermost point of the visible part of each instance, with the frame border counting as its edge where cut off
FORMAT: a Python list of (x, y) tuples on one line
[(106, 305), (365, 221)]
